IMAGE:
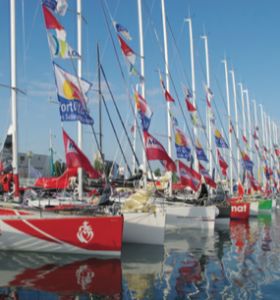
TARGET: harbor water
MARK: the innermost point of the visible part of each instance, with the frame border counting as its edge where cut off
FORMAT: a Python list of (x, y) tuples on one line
[(236, 260)]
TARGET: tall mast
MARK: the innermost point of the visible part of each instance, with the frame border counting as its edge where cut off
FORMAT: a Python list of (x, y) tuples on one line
[(51, 150), (168, 89), (236, 119), (269, 130), (14, 95), (256, 120), (134, 135), (262, 123), (143, 91), (228, 103), (249, 121), (100, 107), (208, 85), (80, 72), (189, 20)]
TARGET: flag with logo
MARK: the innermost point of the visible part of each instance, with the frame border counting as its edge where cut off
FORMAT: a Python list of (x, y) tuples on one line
[(199, 151), (167, 96), (155, 151), (75, 158), (120, 29), (72, 96), (52, 23), (60, 49), (222, 163), (195, 120), (219, 140), (58, 6), (182, 142), (208, 179), (144, 110), (246, 162), (189, 177)]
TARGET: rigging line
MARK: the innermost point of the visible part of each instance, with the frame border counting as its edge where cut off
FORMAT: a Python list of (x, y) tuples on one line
[(126, 88), (116, 107), (120, 142), (27, 45), (104, 102), (147, 25), (23, 41)]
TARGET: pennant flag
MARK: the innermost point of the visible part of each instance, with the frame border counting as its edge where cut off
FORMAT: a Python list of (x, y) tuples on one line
[(222, 164), (267, 191), (52, 23), (278, 174), (244, 139), (120, 29), (196, 122), (255, 136), (132, 129), (187, 93), (220, 142), (127, 51), (58, 6), (182, 143), (75, 158), (276, 149), (155, 151), (253, 184), (208, 91), (144, 110), (231, 127), (72, 101), (60, 49), (246, 162), (208, 179), (267, 173), (199, 151), (167, 96), (189, 177), (211, 114)]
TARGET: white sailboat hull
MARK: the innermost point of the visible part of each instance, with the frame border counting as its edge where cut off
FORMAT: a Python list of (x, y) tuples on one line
[(254, 209), (144, 227)]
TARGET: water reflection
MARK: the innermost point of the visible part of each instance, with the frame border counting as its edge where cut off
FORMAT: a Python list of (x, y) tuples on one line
[(239, 260)]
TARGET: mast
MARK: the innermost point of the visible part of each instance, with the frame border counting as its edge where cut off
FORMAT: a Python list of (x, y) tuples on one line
[(269, 130), (249, 120), (236, 119), (134, 135), (189, 20), (143, 91), (14, 96), (243, 109), (228, 102), (51, 150), (168, 89), (80, 72), (99, 92), (256, 120), (208, 85)]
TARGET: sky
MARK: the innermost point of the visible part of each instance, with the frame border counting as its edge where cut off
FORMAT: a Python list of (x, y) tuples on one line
[(245, 33)]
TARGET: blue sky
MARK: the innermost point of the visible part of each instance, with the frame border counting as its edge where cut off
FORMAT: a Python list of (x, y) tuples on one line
[(245, 31)]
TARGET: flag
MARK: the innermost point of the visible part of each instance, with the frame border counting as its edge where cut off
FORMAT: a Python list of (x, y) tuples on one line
[(222, 164), (72, 100), (144, 110), (155, 151), (253, 183), (231, 128), (127, 51), (75, 158), (196, 122), (189, 177), (278, 174), (33, 173), (182, 143), (244, 139), (132, 129), (52, 23), (208, 179), (187, 93), (58, 6), (219, 140), (267, 191), (276, 149), (199, 151), (167, 96), (246, 162), (211, 114), (60, 49), (120, 29), (207, 90), (255, 136)]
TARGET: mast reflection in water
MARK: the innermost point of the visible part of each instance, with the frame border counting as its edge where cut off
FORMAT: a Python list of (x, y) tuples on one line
[(239, 260)]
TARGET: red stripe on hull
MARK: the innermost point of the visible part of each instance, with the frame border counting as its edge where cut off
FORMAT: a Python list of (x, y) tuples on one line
[(240, 211), (9, 212)]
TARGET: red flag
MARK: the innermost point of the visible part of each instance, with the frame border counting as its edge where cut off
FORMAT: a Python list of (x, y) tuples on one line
[(222, 164), (267, 191), (155, 151), (167, 96), (127, 51), (189, 177), (240, 191), (132, 129), (244, 139), (253, 184), (208, 179), (50, 20), (76, 158)]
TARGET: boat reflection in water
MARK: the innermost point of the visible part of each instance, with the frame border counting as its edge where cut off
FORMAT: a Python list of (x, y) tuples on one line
[(63, 275)]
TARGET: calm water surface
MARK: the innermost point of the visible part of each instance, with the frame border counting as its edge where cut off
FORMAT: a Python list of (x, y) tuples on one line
[(239, 260)]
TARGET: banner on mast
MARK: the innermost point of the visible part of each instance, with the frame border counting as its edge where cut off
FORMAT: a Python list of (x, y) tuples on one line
[(189, 177)]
